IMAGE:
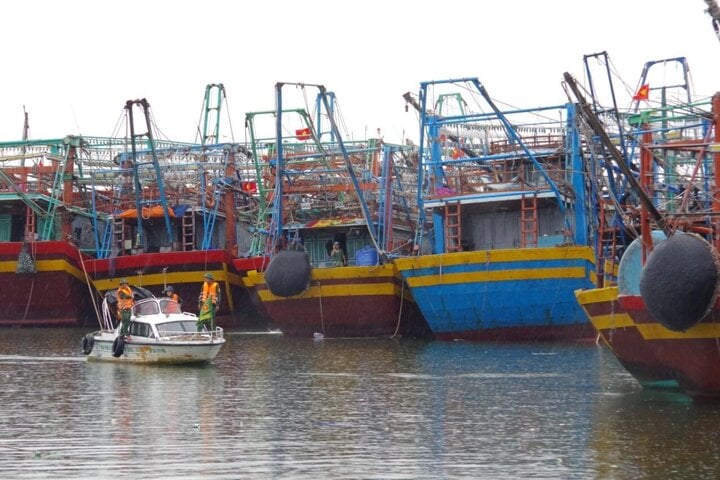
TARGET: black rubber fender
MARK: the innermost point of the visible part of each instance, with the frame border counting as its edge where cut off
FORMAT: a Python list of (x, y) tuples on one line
[(88, 342), (118, 347), (679, 281), (289, 273)]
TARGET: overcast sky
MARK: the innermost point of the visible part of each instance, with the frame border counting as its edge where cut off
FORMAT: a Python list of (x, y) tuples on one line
[(73, 63)]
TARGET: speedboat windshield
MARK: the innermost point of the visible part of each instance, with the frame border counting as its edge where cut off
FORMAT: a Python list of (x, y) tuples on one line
[(146, 308)]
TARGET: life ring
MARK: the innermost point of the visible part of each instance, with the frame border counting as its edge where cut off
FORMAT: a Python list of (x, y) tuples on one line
[(88, 342), (118, 347)]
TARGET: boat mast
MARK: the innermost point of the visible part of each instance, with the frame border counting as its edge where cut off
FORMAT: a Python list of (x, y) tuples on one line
[(714, 11), (145, 106), (211, 112), (25, 136)]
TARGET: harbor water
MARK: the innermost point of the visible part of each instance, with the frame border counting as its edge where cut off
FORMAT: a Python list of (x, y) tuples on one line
[(271, 406)]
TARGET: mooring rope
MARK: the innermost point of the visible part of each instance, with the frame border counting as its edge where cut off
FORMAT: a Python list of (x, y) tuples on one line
[(87, 282), (402, 300), (322, 319), (27, 306)]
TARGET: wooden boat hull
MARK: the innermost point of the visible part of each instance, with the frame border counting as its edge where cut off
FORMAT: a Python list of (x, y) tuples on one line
[(505, 295), (184, 271), (653, 354), (56, 294), (357, 301)]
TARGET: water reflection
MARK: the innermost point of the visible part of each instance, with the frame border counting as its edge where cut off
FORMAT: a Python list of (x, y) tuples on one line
[(277, 407)]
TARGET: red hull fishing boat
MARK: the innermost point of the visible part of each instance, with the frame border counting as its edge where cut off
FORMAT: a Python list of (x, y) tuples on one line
[(43, 285), (319, 194), (156, 212), (662, 319), (189, 198), (44, 210)]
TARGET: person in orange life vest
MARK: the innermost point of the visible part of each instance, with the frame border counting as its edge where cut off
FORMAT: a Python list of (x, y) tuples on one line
[(209, 300), (125, 303), (170, 293)]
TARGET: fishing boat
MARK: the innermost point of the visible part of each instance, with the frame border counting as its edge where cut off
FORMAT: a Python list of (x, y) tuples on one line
[(160, 333), (506, 231), (321, 194), (167, 213), (79, 213), (44, 219), (662, 319)]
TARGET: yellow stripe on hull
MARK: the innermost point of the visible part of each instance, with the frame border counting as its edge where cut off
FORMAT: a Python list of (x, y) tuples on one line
[(649, 331), (326, 291), (497, 276), (494, 256), (254, 278), (157, 279), (58, 265), (596, 295)]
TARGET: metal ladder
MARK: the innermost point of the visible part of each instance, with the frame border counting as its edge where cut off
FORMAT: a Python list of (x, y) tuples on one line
[(453, 229), (118, 231), (528, 221), (188, 230), (607, 249), (29, 224)]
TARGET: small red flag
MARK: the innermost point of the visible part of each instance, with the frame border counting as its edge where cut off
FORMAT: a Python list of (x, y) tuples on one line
[(303, 134), (643, 93)]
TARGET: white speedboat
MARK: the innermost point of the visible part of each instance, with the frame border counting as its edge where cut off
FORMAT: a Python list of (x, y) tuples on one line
[(160, 333)]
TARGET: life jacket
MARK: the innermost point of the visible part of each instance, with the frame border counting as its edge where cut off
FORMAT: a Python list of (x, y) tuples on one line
[(125, 303), (175, 297), (210, 290)]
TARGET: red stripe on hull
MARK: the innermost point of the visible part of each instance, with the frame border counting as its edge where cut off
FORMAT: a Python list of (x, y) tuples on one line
[(200, 260), (49, 249), (246, 264), (355, 316), (694, 363)]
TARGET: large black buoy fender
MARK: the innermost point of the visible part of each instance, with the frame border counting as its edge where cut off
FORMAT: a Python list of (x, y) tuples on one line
[(288, 273), (680, 280), (88, 342), (118, 346)]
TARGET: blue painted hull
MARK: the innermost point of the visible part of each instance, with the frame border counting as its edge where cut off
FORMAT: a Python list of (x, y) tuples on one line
[(513, 295)]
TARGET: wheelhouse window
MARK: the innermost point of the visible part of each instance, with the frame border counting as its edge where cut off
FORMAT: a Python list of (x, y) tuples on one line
[(139, 329)]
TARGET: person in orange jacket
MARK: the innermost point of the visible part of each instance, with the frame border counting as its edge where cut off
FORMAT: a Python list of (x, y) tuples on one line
[(125, 303), (170, 293), (208, 304)]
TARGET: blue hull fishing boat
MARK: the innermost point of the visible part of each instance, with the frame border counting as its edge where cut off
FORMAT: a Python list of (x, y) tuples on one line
[(506, 233)]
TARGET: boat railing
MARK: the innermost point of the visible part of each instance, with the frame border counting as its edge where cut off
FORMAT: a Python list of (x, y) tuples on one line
[(533, 142), (180, 336)]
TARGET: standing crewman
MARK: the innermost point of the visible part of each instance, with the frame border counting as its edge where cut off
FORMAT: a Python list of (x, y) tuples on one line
[(170, 293), (208, 304), (125, 303)]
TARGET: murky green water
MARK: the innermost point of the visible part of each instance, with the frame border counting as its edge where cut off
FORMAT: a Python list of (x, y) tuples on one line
[(277, 407)]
